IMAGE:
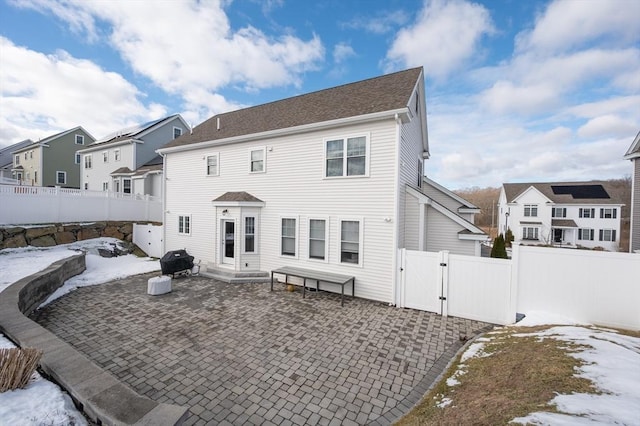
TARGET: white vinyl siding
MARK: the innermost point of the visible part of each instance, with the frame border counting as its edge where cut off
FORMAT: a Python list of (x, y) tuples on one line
[(441, 233)]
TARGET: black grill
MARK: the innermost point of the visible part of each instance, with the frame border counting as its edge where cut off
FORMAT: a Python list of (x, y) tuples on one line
[(176, 261)]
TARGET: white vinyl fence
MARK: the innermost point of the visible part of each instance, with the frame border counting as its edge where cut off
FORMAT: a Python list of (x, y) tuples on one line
[(593, 287), (34, 204), (149, 238)]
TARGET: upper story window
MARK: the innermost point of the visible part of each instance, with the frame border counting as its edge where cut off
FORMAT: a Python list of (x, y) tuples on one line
[(61, 178), (16, 161), (608, 214), (212, 165), (257, 160), (177, 132), (88, 161), (559, 212), (79, 140), (531, 210), (31, 154), (587, 213), (105, 156), (347, 157), (26, 155), (77, 158), (116, 155)]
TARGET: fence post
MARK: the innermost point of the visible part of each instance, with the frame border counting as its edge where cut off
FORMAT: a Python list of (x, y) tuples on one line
[(515, 266), (443, 275), (401, 275), (58, 203)]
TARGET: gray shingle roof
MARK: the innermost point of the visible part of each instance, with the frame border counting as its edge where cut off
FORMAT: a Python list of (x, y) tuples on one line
[(238, 196), (513, 190), (131, 132), (386, 93), (564, 223)]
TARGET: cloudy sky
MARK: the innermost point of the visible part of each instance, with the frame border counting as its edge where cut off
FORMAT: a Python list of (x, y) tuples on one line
[(516, 90)]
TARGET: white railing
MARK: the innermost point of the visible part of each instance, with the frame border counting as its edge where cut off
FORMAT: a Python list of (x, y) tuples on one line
[(8, 181), (35, 204)]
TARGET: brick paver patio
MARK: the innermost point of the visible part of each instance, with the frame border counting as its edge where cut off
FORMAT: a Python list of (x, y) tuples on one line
[(239, 354)]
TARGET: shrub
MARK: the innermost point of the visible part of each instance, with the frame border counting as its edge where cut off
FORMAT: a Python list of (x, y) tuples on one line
[(499, 250), (17, 366)]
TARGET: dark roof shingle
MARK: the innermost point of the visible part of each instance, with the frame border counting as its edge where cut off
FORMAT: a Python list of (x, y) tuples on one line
[(513, 190), (238, 196), (386, 93)]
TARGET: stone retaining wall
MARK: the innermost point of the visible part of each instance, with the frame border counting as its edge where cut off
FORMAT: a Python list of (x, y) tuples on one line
[(103, 398), (51, 235)]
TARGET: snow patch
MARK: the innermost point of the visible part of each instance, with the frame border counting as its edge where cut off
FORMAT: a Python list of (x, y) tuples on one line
[(535, 318)]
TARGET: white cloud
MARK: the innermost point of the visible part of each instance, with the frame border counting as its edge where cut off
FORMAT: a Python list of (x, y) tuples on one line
[(341, 52), (606, 126), (445, 35), (77, 92), (380, 24)]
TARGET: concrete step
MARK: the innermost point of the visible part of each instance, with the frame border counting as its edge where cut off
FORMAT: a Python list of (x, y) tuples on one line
[(237, 277)]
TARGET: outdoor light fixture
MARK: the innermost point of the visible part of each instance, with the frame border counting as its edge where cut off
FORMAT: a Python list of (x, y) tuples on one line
[(225, 212)]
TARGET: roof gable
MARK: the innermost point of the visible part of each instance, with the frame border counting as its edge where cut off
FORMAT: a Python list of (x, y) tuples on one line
[(531, 188), (634, 149), (587, 192), (390, 92), (53, 137), (138, 131)]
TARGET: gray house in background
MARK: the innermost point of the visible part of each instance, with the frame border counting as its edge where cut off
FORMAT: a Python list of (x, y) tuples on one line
[(633, 154), (6, 158), (126, 161), (51, 161)]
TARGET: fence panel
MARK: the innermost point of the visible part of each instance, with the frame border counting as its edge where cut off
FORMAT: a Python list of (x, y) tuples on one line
[(421, 288), (481, 289), (149, 238), (593, 287)]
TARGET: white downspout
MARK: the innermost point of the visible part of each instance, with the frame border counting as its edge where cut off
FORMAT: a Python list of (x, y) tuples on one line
[(396, 191), (164, 203)]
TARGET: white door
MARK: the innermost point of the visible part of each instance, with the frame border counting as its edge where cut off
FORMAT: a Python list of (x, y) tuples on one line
[(422, 282), (228, 241)]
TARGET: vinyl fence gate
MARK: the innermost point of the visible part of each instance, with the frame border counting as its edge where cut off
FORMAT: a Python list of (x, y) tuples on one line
[(469, 287)]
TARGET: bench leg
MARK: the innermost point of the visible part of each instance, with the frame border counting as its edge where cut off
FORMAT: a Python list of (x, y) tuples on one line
[(271, 281), (342, 296), (304, 286)]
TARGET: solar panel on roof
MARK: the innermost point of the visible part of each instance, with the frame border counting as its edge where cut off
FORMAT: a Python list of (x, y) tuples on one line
[(581, 191)]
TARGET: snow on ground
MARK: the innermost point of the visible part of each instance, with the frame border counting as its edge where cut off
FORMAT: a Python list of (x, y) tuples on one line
[(43, 402)]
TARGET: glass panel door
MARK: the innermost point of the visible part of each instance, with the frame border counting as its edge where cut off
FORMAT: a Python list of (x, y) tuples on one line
[(228, 242)]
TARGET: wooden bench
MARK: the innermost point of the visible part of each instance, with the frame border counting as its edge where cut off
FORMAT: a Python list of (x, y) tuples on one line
[(308, 274)]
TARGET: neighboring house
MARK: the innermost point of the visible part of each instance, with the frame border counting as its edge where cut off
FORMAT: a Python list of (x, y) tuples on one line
[(331, 180), (633, 154), (567, 214), (6, 158), (115, 163), (51, 161)]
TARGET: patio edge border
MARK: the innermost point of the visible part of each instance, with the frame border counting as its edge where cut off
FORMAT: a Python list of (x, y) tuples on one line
[(101, 396)]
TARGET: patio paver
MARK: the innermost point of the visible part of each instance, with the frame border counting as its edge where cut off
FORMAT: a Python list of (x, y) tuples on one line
[(240, 354)]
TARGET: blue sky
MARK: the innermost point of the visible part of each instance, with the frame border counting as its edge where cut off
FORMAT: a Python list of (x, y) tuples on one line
[(516, 90)]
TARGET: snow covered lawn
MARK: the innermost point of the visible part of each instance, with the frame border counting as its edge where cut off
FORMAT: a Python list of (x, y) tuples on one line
[(43, 402)]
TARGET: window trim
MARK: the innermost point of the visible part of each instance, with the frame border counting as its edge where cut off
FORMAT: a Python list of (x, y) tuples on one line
[(79, 138), (590, 231), (174, 132), (105, 186), (130, 185), (536, 233), (345, 138), (530, 208), (591, 210), (16, 160), (360, 220), (78, 158), (612, 213), (206, 160), (64, 173), (182, 224), (89, 164), (264, 159), (612, 235), (326, 239), (116, 154), (563, 212), (297, 236), (255, 234), (105, 156)]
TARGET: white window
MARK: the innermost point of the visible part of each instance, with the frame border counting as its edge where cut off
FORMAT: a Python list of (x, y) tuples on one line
[(116, 185), (26, 155), (587, 213), (105, 186), (88, 161), (351, 241), (608, 214), (35, 176), (184, 225), (531, 210), (26, 176), (585, 234), (347, 157), (17, 160), (31, 154), (78, 158), (126, 186), (105, 156), (177, 132), (288, 236), (607, 235), (249, 234), (529, 233), (559, 212), (116, 155), (318, 231), (79, 140), (212, 165), (258, 160), (61, 178)]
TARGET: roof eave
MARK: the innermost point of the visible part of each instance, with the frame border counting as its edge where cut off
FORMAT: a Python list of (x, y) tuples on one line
[(287, 131)]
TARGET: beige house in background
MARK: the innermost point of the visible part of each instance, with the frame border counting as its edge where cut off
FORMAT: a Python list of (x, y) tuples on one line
[(51, 161)]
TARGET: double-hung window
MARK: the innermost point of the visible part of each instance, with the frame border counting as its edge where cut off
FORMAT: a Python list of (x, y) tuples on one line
[(78, 158), (318, 239), (177, 132), (585, 234), (529, 233), (79, 140), (212, 165), (351, 241), (88, 161), (16, 161), (531, 210), (587, 213), (559, 212), (608, 214), (61, 178), (105, 156), (126, 186), (105, 186), (184, 225), (116, 155), (249, 234), (288, 236), (347, 156), (258, 160), (607, 235)]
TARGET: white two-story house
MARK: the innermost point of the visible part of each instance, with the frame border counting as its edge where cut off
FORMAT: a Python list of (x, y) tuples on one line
[(567, 214), (330, 181), (125, 161)]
